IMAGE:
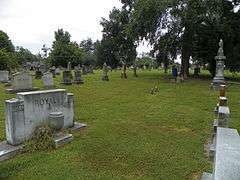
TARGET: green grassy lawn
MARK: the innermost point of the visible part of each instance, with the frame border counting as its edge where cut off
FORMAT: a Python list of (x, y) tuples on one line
[(131, 134)]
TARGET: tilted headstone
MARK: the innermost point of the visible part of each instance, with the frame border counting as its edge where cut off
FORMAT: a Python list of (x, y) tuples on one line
[(48, 79), (31, 109), (4, 76)]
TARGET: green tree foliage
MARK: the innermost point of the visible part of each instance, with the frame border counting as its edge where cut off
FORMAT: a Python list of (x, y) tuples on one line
[(64, 51), (146, 61), (7, 60), (7, 56), (117, 44), (89, 48), (172, 26), (24, 55), (5, 42), (225, 25)]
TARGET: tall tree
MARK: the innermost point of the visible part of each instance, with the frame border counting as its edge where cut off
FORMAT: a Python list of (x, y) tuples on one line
[(5, 42), (7, 56), (24, 55), (116, 40), (89, 47), (64, 51)]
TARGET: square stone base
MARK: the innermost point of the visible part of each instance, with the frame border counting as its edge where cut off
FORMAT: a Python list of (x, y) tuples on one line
[(22, 90), (8, 151), (61, 139), (77, 126)]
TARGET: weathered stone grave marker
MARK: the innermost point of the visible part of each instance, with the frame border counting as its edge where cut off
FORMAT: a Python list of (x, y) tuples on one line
[(30, 110), (67, 75), (48, 80), (78, 76), (22, 81), (105, 72), (58, 71), (219, 77)]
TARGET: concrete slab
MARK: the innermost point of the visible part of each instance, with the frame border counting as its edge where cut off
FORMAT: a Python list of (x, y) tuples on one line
[(8, 151), (78, 126), (227, 155), (61, 139)]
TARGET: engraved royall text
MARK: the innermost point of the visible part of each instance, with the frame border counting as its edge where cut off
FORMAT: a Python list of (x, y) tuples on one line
[(45, 101)]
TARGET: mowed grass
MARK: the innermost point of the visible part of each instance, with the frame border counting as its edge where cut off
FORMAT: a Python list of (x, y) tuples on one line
[(131, 134)]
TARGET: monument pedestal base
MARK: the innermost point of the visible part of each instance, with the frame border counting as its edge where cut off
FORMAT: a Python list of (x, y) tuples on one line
[(22, 90), (60, 139), (77, 126), (8, 151)]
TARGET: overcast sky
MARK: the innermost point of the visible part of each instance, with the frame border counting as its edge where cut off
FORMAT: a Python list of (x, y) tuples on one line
[(31, 23)]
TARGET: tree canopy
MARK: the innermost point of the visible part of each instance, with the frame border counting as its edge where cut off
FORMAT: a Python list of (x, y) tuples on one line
[(176, 27), (64, 51), (117, 44)]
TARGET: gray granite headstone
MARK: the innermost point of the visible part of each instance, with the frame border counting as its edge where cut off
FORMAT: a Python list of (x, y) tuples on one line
[(31, 109), (21, 81)]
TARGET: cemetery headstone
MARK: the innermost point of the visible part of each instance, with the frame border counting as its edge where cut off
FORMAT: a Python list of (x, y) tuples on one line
[(219, 77), (67, 75), (22, 81), (78, 75), (58, 71), (53, 71), (48, 80), (38, 73), (31, 109), (105, 72), (124, 69)]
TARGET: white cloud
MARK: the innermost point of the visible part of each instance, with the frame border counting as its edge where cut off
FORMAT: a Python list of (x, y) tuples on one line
[(31, 23)]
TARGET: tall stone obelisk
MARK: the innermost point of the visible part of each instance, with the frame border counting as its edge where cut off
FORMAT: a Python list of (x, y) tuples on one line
[(219, 76)]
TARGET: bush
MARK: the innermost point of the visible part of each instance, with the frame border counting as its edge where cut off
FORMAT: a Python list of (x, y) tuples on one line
[(42, 139)]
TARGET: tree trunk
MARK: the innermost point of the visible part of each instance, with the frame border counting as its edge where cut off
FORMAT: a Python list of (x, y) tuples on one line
[(185, 62), (124, 74), (186, 52), (135, 71)]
